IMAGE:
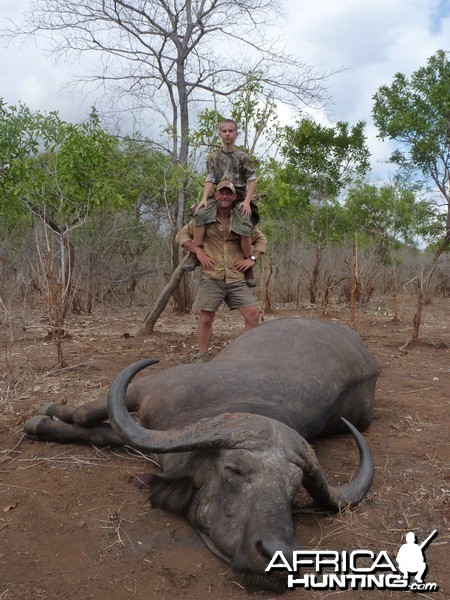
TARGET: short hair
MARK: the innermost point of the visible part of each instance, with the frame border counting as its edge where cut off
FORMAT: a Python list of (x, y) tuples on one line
[(227, 121)]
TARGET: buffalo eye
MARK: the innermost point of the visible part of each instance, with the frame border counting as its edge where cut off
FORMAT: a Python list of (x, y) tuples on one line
[(234, 470)]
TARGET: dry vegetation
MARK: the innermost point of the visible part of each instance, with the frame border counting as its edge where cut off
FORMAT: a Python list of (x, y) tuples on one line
[(73, 523)]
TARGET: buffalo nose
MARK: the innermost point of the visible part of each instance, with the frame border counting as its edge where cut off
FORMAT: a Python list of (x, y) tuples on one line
[(268, 546), (264, 549), (256, 554)]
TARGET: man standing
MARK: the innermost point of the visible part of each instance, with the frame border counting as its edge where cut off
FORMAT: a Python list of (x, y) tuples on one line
[(223, 267)]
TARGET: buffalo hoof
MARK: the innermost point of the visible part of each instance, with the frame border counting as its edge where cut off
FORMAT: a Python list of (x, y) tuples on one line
[(34, 425), (64, 412), (48, 408)]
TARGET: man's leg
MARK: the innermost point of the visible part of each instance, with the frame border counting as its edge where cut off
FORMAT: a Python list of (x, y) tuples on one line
[(242, 225), (204, 330), (210, 295), (246, 248), (251, 316), (246, 245), (193, 262), (199, 234)]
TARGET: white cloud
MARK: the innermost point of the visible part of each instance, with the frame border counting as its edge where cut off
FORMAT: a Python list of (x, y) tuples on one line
[(371, 39), (29, 75)]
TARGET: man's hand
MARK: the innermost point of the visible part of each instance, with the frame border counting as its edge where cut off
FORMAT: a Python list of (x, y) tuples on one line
[(243, 264), (202, 204), (206, 261), (245, 208)]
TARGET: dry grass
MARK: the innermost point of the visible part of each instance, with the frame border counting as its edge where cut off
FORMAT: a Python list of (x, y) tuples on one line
[(114, 525), (410, 490)]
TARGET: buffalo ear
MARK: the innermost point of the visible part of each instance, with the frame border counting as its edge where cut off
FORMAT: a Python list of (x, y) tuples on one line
[(171, 491)]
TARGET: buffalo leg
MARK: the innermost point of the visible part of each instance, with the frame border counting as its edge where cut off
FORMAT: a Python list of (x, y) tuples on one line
[(45, 428), (87, 415)]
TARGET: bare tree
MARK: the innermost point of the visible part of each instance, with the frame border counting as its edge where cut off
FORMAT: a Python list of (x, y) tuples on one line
[(54, 276), (170, 53)]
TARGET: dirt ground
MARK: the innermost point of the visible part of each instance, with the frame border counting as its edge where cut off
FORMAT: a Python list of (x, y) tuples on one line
[(73, 524)]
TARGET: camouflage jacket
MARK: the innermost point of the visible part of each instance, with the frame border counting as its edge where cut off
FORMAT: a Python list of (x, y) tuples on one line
[(233, 166)]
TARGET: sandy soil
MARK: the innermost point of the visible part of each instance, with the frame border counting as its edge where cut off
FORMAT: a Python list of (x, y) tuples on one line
[(73, 524)]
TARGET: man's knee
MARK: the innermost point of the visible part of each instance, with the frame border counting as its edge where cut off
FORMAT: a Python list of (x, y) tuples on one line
[(251, 316), (206, 318)]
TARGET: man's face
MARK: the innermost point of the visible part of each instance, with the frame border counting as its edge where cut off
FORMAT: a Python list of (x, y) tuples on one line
[(225, 197), (228, 133)]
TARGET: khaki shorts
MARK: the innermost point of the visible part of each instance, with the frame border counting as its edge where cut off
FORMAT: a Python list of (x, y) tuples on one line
[(212, 292)]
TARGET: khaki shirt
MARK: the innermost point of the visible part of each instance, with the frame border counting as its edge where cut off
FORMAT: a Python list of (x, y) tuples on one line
[(225, 253)]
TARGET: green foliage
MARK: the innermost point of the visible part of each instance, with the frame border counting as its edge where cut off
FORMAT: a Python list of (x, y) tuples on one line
[(255, 113), (147, 179), (320, 162), (388, 216), (326, 158), (68, 172), (56, 168), (283, 194), (19, 139), (416, 113), (205, 133)]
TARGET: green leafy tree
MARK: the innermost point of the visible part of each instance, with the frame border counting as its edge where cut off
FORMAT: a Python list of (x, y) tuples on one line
[(415, 112), (321, 162), (117, 237), (60, 173), (20, 135), (388, 216)]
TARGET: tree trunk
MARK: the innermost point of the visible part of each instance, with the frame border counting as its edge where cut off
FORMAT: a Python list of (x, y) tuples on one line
[(417, 319), (354, 295), (181, 293), (395, 316), (173, 283), (267, 304), (423, 285), (313, 283), (91, 279)]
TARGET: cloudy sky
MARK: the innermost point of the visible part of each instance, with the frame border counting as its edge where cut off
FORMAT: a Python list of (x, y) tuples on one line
[(371, 39)]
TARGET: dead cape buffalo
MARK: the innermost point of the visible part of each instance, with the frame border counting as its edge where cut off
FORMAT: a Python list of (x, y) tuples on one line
[(230, 435)]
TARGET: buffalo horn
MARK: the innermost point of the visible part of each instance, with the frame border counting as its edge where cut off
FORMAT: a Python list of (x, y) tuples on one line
[(226, 430), (338, 497)]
